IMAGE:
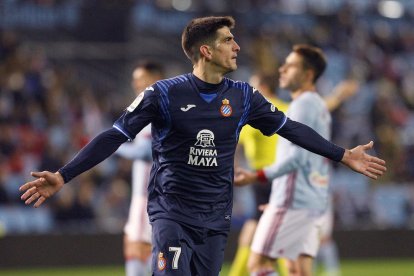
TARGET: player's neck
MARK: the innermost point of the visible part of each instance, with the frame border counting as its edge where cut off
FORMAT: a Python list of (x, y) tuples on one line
[(206, 75), (306, 88)]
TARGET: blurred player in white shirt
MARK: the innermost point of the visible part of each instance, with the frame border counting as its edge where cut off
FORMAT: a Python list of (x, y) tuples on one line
[(137, 237), (290, 225)]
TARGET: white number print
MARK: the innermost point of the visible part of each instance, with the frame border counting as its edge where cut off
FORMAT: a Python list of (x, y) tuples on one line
[(177, 254)]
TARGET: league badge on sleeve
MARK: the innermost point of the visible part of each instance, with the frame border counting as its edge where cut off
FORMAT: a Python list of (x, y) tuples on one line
[(226, 109), (162, 262), (136, 102)]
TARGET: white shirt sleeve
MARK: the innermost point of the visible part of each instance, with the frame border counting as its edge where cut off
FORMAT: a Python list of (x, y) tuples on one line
[(303, 111)]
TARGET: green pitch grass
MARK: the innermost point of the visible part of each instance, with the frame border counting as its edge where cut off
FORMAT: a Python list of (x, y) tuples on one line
[(348, 267)]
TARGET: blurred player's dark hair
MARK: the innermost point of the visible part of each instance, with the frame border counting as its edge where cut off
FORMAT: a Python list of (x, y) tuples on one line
[(152, 67), (313, 58)]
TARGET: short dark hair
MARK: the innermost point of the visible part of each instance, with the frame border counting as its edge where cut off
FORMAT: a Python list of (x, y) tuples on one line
[(313, 58), (202, 31), (154, 68)]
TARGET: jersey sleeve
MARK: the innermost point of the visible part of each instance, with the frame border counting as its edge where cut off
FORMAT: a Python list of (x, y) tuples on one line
[(97, 150), (305, 137), (263, 115), (142, 111)]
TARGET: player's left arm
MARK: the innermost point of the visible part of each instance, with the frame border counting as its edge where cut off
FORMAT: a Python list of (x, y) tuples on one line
[(49, 183), (357, 158), (269, 120)]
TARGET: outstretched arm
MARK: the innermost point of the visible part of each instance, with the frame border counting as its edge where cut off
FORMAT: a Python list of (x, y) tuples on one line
[(356, 159), (48, 183)]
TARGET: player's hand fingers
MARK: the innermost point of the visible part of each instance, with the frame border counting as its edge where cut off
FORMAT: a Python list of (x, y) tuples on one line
[(375, 171), (39, 201), (378, 167), (370, 175), (239, 170), (39, 174), (35, 183), (27, 186), (32, 198), (368, 146), (29, 193), (239, 179), (262, 207), (378, 161)]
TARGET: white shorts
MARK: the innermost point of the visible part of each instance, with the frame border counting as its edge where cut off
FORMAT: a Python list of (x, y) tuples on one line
[(287, 233), (138, 227), (326, 223)]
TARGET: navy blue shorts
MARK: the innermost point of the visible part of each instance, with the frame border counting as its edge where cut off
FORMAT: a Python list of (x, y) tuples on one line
[(180, 249)]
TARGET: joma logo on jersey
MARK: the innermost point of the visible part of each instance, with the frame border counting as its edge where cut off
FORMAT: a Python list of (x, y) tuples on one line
[(203, 157)]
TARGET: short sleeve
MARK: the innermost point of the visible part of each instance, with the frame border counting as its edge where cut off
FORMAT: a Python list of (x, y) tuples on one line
[(263, 115), (142, 111)]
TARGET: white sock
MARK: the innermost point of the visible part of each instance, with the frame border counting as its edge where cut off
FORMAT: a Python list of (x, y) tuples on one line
[(328, 255), (135, 267)]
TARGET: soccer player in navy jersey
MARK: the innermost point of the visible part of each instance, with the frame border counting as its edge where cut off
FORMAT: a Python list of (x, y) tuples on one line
[(196, 119)]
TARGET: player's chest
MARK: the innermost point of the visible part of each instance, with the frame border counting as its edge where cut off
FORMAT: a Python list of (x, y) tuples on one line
[(221, 112)]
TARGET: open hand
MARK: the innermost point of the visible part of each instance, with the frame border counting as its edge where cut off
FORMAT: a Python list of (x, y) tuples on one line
[(46, 185), (358, 160), (243, 177)]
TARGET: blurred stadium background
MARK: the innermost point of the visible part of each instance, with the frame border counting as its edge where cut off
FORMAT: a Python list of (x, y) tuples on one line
[(65, 69)]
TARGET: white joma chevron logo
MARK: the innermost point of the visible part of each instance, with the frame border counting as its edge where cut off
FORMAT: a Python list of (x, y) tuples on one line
[(189, 106)]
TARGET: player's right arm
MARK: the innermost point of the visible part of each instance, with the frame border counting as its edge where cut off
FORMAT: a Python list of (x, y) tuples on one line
[(140, 113), (48, 183)]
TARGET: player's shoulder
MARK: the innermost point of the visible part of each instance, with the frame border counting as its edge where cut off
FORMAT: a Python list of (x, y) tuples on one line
[(240, 85), (309, 97), (310, 101), (165, 84)]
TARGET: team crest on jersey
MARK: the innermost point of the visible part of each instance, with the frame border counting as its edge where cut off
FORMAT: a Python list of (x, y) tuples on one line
[(136, 102), (226, 109), (162, 262), (205, 156)]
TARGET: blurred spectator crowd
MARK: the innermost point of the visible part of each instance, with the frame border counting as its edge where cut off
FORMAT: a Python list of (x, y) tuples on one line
[(51, 107)]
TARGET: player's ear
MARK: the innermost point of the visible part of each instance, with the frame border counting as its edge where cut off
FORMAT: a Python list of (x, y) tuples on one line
[(205, 51), (310, 74)]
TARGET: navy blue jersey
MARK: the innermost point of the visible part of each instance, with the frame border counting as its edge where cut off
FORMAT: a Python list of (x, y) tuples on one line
[(194, 140)]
